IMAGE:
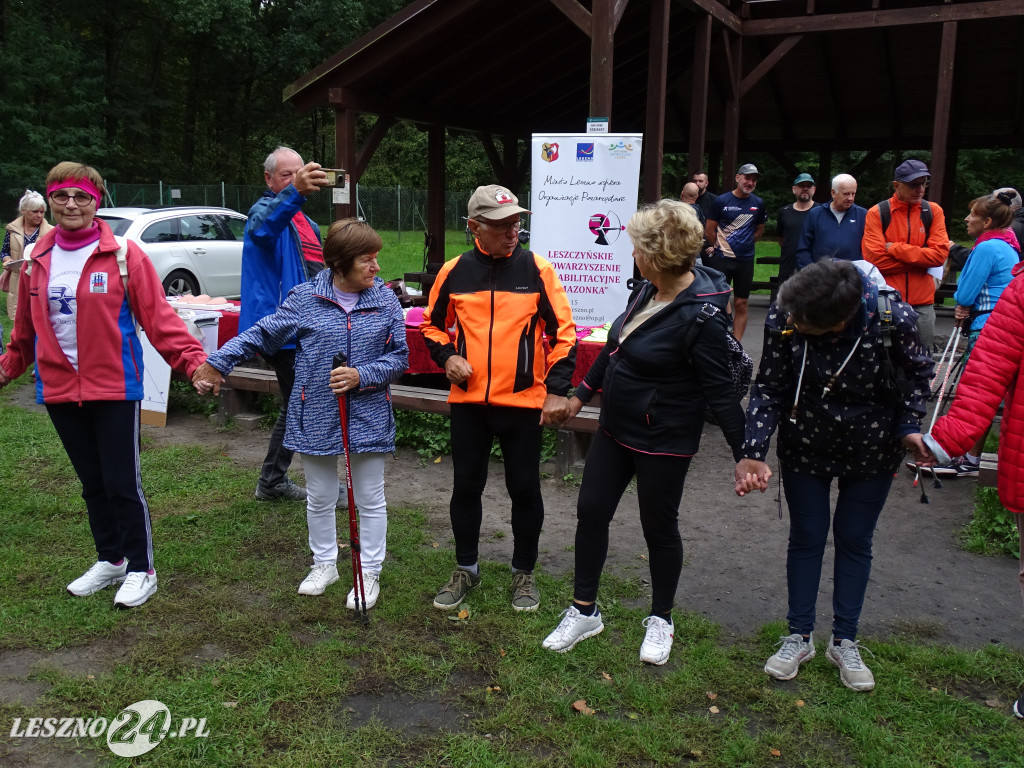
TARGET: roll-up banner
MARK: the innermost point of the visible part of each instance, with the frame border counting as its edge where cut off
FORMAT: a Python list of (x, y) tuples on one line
[(584, 189)]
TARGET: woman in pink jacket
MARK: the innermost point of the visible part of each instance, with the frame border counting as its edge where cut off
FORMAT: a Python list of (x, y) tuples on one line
[(994, 375), (76, 321)]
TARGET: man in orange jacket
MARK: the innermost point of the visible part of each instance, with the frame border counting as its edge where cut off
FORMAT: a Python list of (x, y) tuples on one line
[(503, 301), (913, 242)]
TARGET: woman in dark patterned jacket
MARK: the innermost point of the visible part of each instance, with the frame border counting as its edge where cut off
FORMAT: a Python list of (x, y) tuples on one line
[(346, 308), (848, 409)]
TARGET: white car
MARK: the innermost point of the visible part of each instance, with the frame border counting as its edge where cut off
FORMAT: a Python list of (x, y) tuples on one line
[(194, 249)]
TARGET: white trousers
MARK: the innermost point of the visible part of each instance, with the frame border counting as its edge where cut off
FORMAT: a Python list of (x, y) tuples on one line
[(322, 473)]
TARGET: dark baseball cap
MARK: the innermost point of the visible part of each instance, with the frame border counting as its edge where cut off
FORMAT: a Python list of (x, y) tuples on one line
[(748, 169), (803, 178), (910, 170)]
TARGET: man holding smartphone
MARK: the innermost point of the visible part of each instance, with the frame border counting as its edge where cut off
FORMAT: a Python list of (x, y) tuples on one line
[(282, 249)]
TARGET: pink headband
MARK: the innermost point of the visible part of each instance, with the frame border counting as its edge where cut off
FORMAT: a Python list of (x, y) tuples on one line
[(83, 184)]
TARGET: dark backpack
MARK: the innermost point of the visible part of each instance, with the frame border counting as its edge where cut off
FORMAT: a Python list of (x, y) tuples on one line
[(885, 212), (741, 367), (898, 386)]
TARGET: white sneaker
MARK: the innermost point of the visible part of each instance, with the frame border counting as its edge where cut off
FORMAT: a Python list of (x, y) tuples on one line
[(852, 670), (138, 587), (573, 627), (100, 576), (371, 587), (321, 576), (657, 644), (794, 651)]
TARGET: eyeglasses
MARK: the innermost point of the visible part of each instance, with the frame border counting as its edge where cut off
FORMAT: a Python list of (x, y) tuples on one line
[(513, 226), (80, 198)]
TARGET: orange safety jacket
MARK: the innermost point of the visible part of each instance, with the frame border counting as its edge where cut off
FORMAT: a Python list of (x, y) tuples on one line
[(501, 309), (905, 265)]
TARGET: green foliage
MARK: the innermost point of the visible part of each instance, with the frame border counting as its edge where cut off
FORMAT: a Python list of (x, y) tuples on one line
[(182, 396), (993, 528), (429, 434)]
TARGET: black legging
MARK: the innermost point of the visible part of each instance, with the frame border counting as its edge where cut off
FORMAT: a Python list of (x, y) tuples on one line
[(659, 484), (518, 430)]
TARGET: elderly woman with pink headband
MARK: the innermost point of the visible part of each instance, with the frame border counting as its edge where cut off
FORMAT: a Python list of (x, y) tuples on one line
[(77, 322)]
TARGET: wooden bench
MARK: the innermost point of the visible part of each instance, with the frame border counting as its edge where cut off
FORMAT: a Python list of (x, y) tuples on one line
[(988, 471), (772, 283), (573, 436)]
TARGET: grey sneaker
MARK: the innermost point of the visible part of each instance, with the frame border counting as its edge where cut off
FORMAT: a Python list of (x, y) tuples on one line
[(286, 489), (852, 670), (1018, 706), (793, 651), (573, 628), (525, 595), (455, 591)]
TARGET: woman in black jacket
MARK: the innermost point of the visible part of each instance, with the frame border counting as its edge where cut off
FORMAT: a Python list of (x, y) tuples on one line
[(847, 390), (654, 392)]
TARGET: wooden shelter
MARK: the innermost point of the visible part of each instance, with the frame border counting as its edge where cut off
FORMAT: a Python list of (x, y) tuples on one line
[(706, 77)]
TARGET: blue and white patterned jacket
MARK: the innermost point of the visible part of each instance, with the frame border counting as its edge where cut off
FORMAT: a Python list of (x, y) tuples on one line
[(373, 340)]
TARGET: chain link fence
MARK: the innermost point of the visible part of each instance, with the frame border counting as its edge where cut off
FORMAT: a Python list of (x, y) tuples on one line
[(400, 209)]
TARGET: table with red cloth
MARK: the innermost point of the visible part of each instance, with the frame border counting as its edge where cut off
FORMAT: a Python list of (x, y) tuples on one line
[(419, 358), (421, 362)]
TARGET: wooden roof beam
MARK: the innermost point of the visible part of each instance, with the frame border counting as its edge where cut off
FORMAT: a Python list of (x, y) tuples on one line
[(833, 22), (365, 153), (769, 61), (718, 12)]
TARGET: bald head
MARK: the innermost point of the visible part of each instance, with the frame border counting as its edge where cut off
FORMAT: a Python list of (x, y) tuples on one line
[(689, 193)]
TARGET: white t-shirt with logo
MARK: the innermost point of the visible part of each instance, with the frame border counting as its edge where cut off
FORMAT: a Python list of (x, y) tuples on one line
[(65, 275)]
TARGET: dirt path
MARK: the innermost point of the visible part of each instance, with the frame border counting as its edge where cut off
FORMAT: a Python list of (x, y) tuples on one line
[(923, 584)]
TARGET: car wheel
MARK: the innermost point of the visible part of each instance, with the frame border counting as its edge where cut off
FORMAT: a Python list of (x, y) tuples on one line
[(180, 283)]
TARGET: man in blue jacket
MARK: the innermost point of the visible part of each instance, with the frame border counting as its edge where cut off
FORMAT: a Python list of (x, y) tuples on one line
[(833, 230), (281, 250)]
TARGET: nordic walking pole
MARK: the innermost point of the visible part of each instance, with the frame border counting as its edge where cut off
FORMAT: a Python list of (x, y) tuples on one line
[(353, 526), (954, 339), (950, 350)]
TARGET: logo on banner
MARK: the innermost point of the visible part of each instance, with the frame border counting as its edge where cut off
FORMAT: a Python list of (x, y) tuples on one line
[(621, 150), (584, 153), (549, 152), (606, 227)]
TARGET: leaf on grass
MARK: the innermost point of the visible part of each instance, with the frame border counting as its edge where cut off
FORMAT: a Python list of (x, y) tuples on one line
[(642, 557), (581, 706), (437, 460), (494, 689), (229, 704), (994, 703), (435, 545), (501, 652), (696, 752), (464, 613), (800, 702), (712, 696), (713, 710), (606, 676), (633, 715), (776, 753)]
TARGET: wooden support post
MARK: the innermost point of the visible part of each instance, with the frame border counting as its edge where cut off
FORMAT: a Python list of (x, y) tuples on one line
[(699, 94), (602, 49), (731, 133), (436, 194), (942, 176), (657, 75), (345, 152)]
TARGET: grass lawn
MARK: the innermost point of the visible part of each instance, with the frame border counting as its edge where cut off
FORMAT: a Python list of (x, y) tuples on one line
[(290, 681)]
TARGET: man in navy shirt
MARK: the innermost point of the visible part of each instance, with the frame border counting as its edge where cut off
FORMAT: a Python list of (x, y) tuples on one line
[(833, 230), (736, 222)]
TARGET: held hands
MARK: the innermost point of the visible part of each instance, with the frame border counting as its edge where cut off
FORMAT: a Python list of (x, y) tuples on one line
[(457, 369), (750, 475), (207, 380), (309, 179), (557, 410), (344, 379), (922, 456)]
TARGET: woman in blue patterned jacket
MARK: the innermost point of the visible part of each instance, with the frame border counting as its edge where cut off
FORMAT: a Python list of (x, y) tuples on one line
[(846, 389), (346, 308)]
